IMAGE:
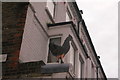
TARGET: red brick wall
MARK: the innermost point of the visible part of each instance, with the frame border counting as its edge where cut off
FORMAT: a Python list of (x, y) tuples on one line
[(13, 21)]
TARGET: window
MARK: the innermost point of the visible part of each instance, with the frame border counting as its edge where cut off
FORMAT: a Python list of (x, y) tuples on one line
[(73, 56), (81, 67), (92, 70), (51, 8), (84, 45), (57, 41), (68, 15), (85, 48)]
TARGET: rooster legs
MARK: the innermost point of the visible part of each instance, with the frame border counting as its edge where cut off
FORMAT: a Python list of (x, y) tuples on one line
[(60, 57), (57, 60), (61, 60)]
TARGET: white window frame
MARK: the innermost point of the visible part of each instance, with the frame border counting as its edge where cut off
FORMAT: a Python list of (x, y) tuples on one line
[(49, 42), (74, 56), (50, 6), (68, 15)]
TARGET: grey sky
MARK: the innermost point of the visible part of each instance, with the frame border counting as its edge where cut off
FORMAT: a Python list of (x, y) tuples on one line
[(101, 18)]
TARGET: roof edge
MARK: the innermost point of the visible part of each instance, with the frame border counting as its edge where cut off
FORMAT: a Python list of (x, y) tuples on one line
[(88, 36), (85, 28)]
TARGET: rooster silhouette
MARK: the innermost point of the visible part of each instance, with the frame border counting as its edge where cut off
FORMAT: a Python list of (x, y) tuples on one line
[(60, 51)]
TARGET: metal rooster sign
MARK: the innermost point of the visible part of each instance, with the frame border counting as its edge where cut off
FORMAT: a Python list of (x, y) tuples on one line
[(60, 51)]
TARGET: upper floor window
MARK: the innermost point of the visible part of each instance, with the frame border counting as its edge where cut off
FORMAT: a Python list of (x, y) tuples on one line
[(85, 47), (68, 15), (73, 56), (51, 7), (92, 70), (57, 41), (81, 67), (84, 42)]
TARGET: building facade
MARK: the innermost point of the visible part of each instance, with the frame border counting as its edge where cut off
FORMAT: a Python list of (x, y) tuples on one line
[(27, 36)]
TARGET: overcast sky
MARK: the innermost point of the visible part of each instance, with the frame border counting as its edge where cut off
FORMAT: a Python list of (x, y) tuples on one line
[(101, 18)]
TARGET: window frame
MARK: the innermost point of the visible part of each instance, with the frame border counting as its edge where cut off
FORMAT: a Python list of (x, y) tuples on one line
[(51, 15), (74, 56), (69, 14), (48, 44), (92, 70), (81, 67)]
